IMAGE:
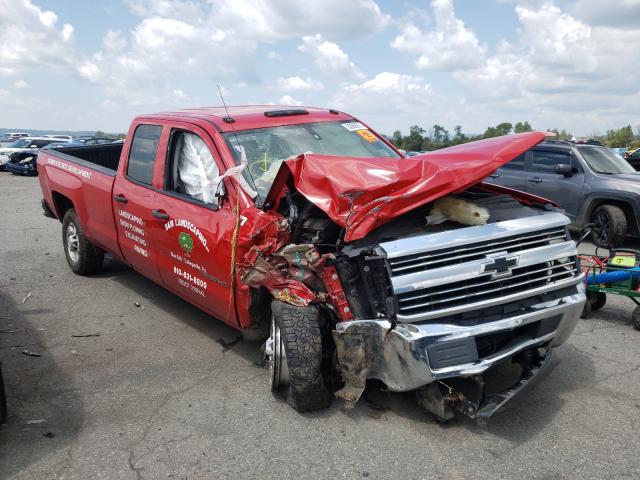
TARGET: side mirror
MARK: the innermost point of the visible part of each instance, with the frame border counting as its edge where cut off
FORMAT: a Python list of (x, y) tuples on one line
[(564, 169)]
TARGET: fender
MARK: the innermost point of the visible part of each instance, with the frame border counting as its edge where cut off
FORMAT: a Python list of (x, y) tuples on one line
[(591, 201)]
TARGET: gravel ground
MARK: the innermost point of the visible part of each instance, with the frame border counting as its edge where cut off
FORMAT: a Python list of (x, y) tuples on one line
[(163, 392)]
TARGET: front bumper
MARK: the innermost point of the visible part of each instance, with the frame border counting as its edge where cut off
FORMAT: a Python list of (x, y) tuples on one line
[(410, 356), (21, 168)]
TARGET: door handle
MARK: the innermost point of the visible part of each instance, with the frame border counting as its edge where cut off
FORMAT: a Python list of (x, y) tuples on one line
[(494, 175), (535, 180), (160, 214), (120, 198)]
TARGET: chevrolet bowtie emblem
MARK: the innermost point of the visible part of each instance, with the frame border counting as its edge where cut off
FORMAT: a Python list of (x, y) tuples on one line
[(500, 265)]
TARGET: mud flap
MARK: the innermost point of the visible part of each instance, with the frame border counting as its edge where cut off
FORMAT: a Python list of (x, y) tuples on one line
[(350, 348)]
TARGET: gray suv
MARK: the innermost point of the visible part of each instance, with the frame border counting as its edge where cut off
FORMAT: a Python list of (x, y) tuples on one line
[(590, 182)]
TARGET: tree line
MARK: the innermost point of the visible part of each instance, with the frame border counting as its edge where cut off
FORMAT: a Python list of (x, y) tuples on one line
[(438, 137)]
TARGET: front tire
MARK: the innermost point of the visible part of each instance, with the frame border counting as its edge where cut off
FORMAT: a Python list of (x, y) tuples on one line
[(82, 256), (294, 352), (610, 227)]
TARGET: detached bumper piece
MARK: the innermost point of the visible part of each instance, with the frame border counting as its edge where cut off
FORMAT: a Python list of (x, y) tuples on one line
[(473, 396)]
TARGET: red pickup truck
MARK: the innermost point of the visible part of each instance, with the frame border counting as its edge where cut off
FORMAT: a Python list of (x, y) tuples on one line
[(305, 228)]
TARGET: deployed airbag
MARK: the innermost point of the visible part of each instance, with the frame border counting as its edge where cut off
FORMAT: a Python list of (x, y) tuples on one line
[(197, 170)]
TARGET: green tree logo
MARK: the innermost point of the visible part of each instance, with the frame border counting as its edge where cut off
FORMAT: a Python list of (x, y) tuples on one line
[(186, 242)]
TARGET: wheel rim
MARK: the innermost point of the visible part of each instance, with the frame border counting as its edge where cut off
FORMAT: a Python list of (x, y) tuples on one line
[(602, 227), (276, 357), (73, 243)]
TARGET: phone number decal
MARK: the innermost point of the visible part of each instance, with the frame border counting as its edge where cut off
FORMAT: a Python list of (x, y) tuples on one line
[(198, 282)]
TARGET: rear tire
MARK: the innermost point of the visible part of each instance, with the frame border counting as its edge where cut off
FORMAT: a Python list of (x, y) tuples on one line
[(610, 227), (299, 331), (82, 256)]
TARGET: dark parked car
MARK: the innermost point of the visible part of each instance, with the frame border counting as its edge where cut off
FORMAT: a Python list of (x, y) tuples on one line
[(589, 181), (23, 163), (94, 140)]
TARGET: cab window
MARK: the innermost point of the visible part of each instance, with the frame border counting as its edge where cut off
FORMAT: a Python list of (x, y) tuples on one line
[(545, 161), (191, 169), (143, 153), (517, 163)]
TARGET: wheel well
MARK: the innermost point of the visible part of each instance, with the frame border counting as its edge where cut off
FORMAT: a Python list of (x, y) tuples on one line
[(61, 204), (632, 224)]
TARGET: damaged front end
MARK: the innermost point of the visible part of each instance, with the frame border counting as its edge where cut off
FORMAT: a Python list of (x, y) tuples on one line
[(435, 308)]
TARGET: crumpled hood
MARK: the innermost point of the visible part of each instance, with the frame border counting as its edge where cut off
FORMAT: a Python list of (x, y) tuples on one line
[(360, 194)]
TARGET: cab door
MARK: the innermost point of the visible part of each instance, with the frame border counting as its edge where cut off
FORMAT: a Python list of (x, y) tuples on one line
[(512, 174), (133, 201), (194, 244), (566, 191)]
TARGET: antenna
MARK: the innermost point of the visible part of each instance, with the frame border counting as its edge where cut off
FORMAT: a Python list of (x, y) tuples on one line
[(228, 120)]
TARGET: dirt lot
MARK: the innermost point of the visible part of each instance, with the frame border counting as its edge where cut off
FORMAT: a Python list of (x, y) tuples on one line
[(164, 391)]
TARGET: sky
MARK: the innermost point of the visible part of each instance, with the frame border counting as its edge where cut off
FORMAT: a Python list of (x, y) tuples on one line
[(85, 65)]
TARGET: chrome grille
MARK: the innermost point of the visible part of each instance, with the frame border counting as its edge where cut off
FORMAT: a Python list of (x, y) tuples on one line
[(461, 254), (483, 287)]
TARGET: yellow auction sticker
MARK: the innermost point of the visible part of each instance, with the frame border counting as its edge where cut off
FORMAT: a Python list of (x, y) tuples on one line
[(367, 135), (624, 261)]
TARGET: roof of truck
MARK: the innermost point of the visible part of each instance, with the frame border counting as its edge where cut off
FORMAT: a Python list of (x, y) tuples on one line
[(247, 117)]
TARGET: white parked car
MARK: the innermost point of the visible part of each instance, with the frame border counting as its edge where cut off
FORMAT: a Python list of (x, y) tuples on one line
[(10, 137), (25, 144), (68, 138)]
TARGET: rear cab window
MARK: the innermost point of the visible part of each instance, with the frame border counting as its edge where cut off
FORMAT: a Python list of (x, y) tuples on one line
[(143, 153)]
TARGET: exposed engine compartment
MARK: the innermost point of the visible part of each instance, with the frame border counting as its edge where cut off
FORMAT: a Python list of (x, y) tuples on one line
[(360, 265)]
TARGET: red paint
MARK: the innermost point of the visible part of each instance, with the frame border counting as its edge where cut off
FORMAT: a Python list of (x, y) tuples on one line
[(357, 193), (336, 293)]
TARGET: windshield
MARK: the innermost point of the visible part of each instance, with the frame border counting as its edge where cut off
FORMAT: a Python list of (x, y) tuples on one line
[(267, 147), (603, 160)]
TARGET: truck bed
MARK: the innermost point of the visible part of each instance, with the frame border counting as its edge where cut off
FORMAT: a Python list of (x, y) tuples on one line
[(83, 177), (105, 156)]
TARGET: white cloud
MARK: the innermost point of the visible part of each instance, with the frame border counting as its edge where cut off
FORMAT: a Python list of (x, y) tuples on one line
[(274, 20), (386, 92), (20, 84), (560, 71), (113, 41), (218, 40), (298, 83), (335, 19), (289, 100), (620, 14), (449, 46), (329, 57), (30, 38)]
